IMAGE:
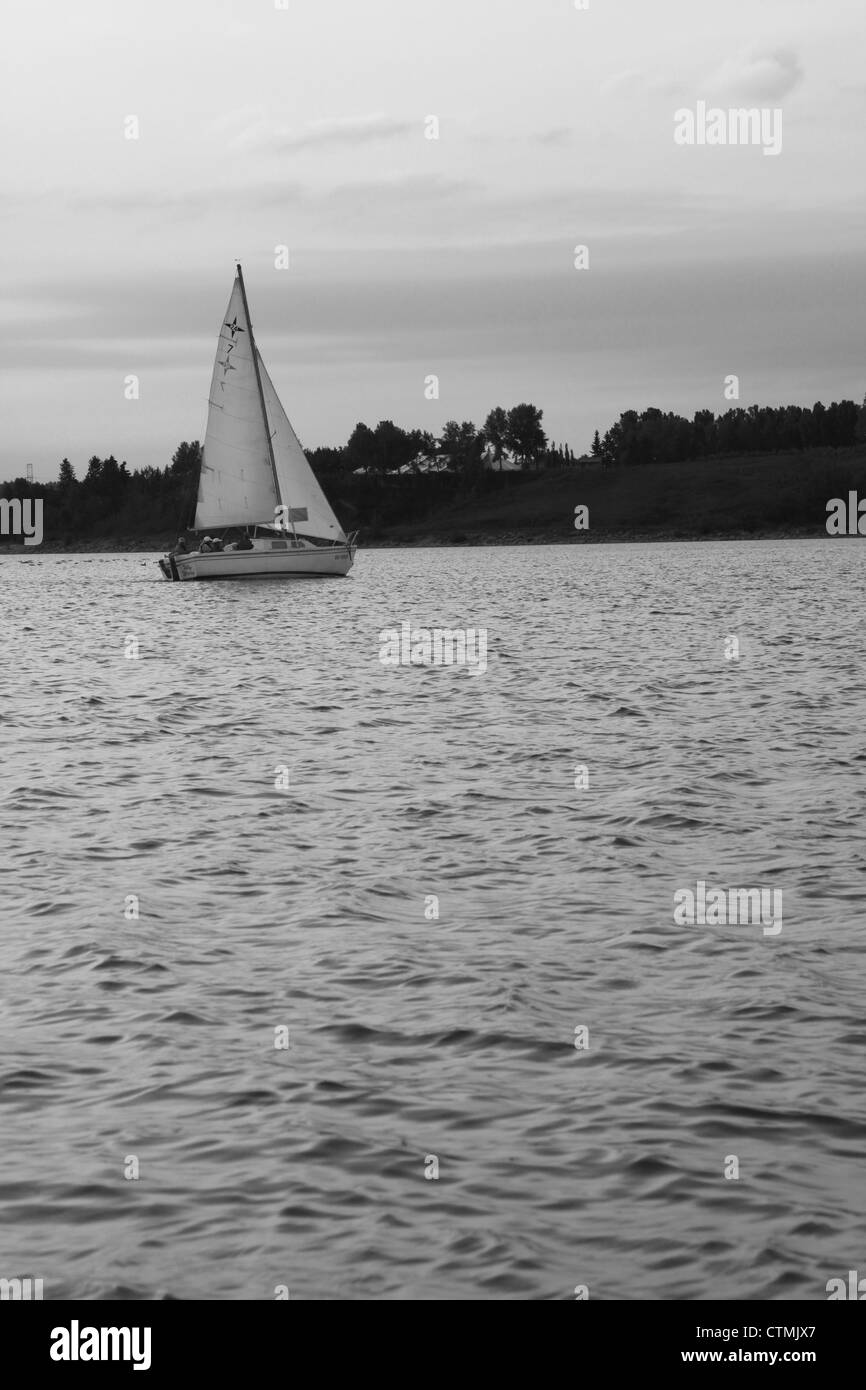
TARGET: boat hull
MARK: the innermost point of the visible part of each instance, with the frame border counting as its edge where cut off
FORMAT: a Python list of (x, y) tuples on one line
[(262, 562)]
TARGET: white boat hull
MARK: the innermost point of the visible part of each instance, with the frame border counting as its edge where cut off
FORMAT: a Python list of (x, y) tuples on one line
[(267, 560)]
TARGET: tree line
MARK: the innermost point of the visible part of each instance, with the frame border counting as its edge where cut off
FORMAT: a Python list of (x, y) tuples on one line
[(387, 447), (112, 500), (655, 436)]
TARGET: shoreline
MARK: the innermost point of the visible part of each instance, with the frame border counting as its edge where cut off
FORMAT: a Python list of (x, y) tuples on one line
[(466, 540)]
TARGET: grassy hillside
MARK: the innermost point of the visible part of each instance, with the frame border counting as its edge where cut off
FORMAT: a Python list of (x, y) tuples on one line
[(749, 495), (755, 495)]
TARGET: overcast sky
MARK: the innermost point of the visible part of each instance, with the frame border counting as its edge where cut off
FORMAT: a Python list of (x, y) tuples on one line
[(305, 127)]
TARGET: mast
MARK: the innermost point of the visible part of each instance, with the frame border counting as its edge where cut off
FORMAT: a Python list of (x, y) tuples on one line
[(259, 384)]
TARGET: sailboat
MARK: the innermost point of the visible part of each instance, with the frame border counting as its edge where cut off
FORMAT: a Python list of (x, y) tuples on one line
[(260, 511)]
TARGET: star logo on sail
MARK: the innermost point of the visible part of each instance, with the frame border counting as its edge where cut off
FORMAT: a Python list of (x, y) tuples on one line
[(227, 366), (234, 327)]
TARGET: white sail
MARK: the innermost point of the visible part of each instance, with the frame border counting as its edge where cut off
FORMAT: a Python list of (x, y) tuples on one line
[(236, 486), (309, 508)]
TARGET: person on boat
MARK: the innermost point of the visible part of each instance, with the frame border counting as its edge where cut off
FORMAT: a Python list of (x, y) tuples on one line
[(181, 548), (216, 543), (206, 545)]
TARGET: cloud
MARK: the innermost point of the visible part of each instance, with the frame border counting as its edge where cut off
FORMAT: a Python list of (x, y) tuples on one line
[(758, 75), (232, 123), (556, 135), (751, 75), (622, 82), (411, 212), (259, 132), (633, 83), (374, 200)]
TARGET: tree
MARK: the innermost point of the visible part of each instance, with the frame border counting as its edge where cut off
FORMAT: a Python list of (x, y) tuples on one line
[(842, 420), (462, 444), (704, 432), (361, 449), (393, 446), (425, 440), (94, 473), (326, 460), (186, 460), (596, 446), (524, 433), (113, 479), (496, 430), (66, 477)]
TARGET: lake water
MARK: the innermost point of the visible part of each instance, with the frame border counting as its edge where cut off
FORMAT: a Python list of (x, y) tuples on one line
[(416, 1041)]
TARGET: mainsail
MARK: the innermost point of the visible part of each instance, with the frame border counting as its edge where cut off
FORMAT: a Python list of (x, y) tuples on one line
[(308, 506), (253, 461), (236, 486)]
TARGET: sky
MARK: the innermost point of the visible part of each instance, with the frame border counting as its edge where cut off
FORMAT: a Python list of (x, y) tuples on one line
[(306, 127)]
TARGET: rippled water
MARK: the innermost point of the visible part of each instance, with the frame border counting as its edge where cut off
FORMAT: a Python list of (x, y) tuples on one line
[(412, 1038)]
